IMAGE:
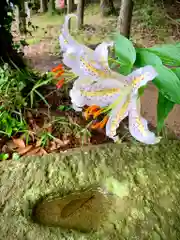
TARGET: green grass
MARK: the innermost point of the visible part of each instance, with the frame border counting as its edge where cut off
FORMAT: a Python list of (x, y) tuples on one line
[(46, 19), (32, 41)]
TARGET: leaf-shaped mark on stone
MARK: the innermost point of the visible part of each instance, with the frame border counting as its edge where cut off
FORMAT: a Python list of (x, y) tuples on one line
[(74, 205)]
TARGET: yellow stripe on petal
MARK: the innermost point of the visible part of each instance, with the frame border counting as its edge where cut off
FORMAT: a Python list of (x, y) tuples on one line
[(92, 70), (140, 126), (100, 93), (119, 117), (137, 80)]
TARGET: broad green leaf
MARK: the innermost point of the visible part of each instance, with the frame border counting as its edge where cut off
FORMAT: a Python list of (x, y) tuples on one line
[(177, 72), (144, 57), (124, 50), (164, 107), (168, 83), (125, 69), (141, 90), (169, 53)]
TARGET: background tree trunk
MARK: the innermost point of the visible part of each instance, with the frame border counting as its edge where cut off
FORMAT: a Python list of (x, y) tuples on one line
[(69, 6), (107, 7), (43, 6), (7, 52), (125, 17), (51, 7), (22, 18), (80, 13)]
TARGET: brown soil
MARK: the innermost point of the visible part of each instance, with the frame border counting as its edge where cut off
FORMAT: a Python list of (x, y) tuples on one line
[(149, 103)]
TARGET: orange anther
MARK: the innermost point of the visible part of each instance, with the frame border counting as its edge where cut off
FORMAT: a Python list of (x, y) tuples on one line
[(97, 113), (59, 74), (59, 67), (90, 111), (95, 126), (103, 122), (60, 83), (100, 124)]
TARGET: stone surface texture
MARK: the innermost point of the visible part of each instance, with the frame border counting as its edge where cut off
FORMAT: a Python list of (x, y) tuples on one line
[(147, 187)]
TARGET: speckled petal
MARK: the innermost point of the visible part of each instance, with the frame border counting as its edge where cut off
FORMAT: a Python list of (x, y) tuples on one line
[(101, 56), (116, 116), (138, 126), (82, 60), (72, 50), (100, 93), (140, 77)]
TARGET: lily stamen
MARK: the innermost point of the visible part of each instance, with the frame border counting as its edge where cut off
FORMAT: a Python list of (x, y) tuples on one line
[(100, 124), (90, 111)]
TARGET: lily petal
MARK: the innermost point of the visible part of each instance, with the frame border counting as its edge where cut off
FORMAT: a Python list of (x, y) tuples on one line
[(66, 40), (141, 76), (116, 116), (70, 47), (138, 126), (82, 59), (101, 55), (102, 93)]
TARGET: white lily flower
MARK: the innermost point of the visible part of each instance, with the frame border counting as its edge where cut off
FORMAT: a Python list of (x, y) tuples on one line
[(122, 100), (89, 65)]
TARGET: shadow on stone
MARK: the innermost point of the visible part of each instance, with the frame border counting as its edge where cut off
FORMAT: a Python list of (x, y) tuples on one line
[(83, 211)]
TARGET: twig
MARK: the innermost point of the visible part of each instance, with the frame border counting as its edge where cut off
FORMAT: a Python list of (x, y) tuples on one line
[(174, 22)]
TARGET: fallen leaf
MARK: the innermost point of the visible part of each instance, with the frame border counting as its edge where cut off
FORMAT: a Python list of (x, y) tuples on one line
[(5, 149), (60, 142), (42, 152), (29, 114), (48, 127), (57, 140), (23, 151), (29, 133), (19, 142), (38, 143), (11, 145), (66, 142), (53, 146), (33, 152)]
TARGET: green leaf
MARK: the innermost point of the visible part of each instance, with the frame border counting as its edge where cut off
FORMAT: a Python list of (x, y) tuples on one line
[(124, 50), (177, 72), (41, 96), (168, 83), (4, 156), (141, 90), (144, 57), (125, 70), (64, 108), (168, 53), (15, 156), (164, 107)]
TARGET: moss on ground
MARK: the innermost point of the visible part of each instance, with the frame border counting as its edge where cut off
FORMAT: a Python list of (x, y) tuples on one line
[(147, 183)]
